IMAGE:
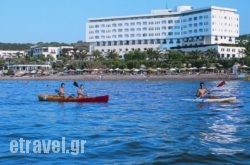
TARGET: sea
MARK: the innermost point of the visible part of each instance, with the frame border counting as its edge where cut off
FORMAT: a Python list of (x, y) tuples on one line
[(144, 122)]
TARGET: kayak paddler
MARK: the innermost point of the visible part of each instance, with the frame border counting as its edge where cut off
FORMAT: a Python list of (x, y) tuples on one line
[(202, 91), (61, 91)]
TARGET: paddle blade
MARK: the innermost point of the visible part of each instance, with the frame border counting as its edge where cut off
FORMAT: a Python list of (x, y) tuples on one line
[(221, 84), (75, 84)]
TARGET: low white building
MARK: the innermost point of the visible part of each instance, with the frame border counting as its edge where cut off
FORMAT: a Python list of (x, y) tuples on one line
[(224, 51), (11, 53), (53, 51)]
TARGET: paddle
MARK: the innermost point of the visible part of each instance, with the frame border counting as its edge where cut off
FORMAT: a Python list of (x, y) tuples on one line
[(57, 91), (75, 84), (222, 83)]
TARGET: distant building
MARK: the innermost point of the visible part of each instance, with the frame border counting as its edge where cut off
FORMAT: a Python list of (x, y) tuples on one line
[(11, 53), (166, 29), (53, 51)]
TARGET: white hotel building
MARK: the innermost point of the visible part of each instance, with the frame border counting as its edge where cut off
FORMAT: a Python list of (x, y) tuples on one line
[(167, 29)]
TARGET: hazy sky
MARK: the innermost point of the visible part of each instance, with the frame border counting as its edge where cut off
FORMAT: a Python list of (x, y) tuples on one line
[(32, 21)]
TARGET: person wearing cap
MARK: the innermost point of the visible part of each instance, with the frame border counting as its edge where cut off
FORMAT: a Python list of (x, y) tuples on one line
[(80, 92), (201, 92)]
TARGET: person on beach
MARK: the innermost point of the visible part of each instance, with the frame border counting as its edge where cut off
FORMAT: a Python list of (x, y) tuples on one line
[(80, 92), (202, 91), (61, 91)]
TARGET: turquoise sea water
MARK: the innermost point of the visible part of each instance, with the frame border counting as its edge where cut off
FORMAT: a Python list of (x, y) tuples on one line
[(144, 122)]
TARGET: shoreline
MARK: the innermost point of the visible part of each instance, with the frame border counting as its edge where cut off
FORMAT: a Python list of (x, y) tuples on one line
[(181, 77)]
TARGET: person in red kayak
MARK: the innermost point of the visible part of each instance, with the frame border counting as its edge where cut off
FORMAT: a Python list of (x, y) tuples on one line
[(61, 91), (202, 91), (80, 92)]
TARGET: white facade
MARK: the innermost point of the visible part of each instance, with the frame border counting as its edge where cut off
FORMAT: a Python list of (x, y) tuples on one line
[(49, 50), (11, 53), (163, 29), (53, 51)]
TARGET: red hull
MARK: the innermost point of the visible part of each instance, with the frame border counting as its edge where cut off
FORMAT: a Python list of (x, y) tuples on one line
[(44, 97)]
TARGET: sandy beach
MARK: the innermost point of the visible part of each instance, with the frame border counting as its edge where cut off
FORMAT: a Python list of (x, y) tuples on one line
[(210, 76)]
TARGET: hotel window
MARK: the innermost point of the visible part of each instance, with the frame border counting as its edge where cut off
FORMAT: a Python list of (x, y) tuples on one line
[(177, 27), (133, 42), (190, 31), (195, 30), (144, 29), (96, 31), (145, 23), (189, 19), (132, 35), (144, 34), (132, 23), (163, 28), (96, 26), (138, 35), (126, 30), (151, 29), (151, 23), (102, 37), (157, 28), (158, 41), (170, 27), (96, 37), (113, 25), (171, 41), (222, 49), (145, 41), (91, 26), (151, 41), (151, 34), (170, 21), (139, 42), (190, 25), (108, 25), (121, 43), (200, 17), (200, 30), (120, 36), (170, 33), (132, 29), (119, 30), (233, 50), (200, 23), (138, 23), (126, 24), (228, 50), (163, 21), (120, 24), (195, 18), (103, 31), (177, 21), (114, 30), (138, 29), (177, 33), (157, 22), (113, 36), (195, 24), (126, 35), (163, 34)]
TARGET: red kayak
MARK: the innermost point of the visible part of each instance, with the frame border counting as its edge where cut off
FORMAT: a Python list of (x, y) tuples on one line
[(49, 97)]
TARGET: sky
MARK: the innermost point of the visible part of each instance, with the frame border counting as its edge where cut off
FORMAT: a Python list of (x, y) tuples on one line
[(32, 21)]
